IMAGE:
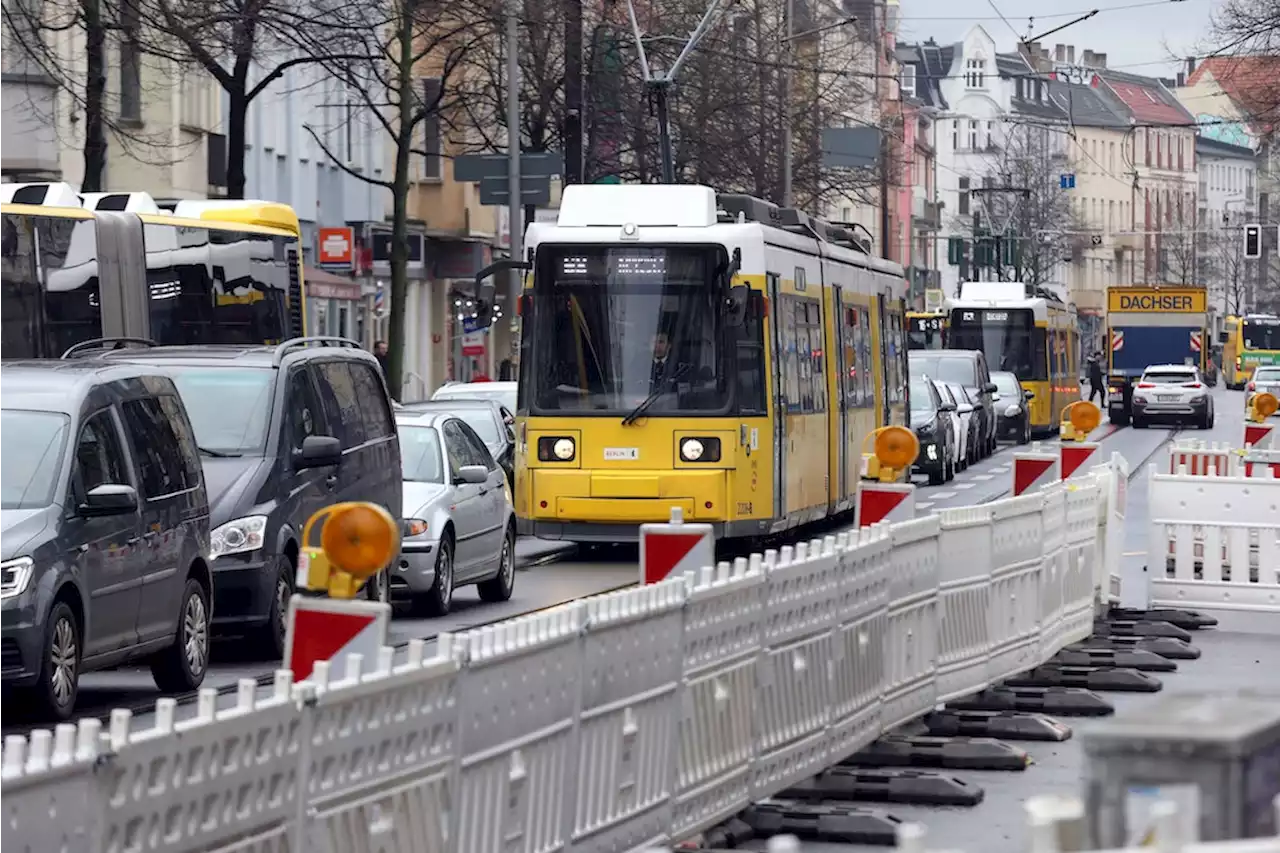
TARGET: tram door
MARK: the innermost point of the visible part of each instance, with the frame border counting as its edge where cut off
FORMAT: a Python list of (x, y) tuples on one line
[(774, 285)]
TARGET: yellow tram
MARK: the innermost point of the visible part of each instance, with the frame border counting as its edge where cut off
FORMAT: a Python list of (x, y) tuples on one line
[(713, 353), (1036, 338)]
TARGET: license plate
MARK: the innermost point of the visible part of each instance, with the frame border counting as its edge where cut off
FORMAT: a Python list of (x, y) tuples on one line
[(621, 454), (1167, 398)]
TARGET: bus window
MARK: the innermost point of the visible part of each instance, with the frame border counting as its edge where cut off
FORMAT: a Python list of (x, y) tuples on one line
[(1008, 338), (1261, 334), (50, 295), (214, 286)]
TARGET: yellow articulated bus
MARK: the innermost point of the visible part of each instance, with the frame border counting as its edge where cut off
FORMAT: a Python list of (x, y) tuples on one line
[(1036, 338), (1248, 342), (114, 265), (713, 353)]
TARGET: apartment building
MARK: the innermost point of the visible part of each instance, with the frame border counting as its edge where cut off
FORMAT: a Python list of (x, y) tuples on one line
[(918, 190)]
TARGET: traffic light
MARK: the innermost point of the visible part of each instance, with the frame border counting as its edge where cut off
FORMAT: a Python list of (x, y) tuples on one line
[(1010, 251), (956, 251), (1253, 241)]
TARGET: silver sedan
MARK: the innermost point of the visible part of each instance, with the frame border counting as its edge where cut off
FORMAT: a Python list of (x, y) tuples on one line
[(459, 525)]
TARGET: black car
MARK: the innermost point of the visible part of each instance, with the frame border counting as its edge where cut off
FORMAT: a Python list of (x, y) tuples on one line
[(1013, 412), (931, 420), (283, 431), (105, 530), (490, 420), (967, 368)]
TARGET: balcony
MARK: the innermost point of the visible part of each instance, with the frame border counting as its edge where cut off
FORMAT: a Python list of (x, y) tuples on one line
[(1128, 240), (927, 215)]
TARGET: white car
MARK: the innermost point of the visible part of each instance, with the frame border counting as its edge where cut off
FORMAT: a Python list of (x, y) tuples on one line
[(959, 423), (1266, 380), (1174, 393), (968, 424), (503, 392)]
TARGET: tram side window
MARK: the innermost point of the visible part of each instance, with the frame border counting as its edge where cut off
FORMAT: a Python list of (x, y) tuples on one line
[(816, 360), (50, 293), (790, 357), (850, 378), (894, 354), (751, 363), (866, 360)]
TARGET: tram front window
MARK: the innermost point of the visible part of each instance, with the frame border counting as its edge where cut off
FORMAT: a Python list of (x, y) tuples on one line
[(1008, 339), (621, 327), (1264, 335)]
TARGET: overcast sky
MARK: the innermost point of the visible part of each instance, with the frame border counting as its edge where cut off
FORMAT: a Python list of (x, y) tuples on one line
[(1138, 36)]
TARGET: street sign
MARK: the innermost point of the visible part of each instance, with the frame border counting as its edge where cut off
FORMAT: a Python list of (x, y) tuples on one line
[(536, 164), (1096, 239), (1067, 181), (534, 190), (327, 629), (337, 248), (850, 147), (472, 338)]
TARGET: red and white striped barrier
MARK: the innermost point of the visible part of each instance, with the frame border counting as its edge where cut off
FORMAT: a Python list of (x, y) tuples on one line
[(891, 502), (1033, 470), (1199, 459), (1074, 456), (1260, 436), (671, 549), (1262, 463), (326, 629)]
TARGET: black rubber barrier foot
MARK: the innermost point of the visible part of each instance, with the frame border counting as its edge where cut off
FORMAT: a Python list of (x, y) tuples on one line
[(1131, 628), (959, 753), (916, 787), (1191, 620), (731, 834), (1009, 725), (813, 822), (1057, 701), (1167, 647), (1090, 678), (1142, 661)]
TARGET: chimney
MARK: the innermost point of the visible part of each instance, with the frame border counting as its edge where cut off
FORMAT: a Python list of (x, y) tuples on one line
[(1191, 65), (1059, 53), (1100, 59), (1181, 79), (1071, 54)]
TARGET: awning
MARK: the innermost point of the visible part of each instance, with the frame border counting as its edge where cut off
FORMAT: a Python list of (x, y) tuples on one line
[(326, 285)]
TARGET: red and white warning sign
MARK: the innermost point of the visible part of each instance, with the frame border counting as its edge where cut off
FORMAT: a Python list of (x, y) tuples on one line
[(891, 502), (674, 548), (1117, 340), (329, 629), (1200, 461), (1260, 436), (1074, 455), (1033, 471), (1195, 342)]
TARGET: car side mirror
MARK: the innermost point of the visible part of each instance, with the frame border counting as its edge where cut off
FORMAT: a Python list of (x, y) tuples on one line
[(109, 499), (947, 407), (736, 304), (990, 387), (318, 451), (1031, 395), (474, 474)]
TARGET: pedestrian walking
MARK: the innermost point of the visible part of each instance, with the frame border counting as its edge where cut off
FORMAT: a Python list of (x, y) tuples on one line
[(1097, 382)]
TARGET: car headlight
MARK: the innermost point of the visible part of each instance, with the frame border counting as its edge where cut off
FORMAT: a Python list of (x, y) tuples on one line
[(1013, 411), (700, 450), (15, 575), (239, 536), (556, 449), (413, 527)]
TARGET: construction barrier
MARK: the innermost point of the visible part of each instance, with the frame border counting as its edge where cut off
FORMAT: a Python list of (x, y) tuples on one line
[(624, 720), (1260, 436), (1200, 459), (1033, 470)]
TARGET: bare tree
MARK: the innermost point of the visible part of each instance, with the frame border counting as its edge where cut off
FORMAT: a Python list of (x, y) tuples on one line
[(1225, 268), (1251, 28), (1018, 196), (62, 45), (1178, 249), (400, 68)]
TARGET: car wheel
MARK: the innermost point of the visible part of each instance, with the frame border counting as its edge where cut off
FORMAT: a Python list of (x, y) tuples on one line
[(1139, 423), (181, 667), (1024, 432), (499, 587), (59, 683), (438, 600), (270, 637), (378, 587)]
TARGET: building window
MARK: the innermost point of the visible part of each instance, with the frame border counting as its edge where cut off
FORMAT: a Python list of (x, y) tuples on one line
[(130, 64), (955, 135), (975, 73), (973, 134), (431, 136), (963, 205), (908, 80)]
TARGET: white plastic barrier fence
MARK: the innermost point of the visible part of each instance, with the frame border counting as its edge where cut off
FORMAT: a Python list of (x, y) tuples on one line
[(1200, 459), (624, 720)]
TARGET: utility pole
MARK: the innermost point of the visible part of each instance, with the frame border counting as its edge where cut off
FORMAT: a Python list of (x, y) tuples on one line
[(574, 165), (787, 155), (513, 152), (885, 157)]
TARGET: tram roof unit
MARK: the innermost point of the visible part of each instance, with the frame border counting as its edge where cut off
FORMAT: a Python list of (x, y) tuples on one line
[(649, 213), (40, 195)]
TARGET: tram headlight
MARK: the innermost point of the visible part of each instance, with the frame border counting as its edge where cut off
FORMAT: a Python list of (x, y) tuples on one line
[(700, 450), (556, 449)]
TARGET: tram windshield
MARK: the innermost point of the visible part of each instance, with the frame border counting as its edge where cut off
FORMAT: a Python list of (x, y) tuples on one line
[(1009, 340), (620, 327), (1261, 334), (925, 332)]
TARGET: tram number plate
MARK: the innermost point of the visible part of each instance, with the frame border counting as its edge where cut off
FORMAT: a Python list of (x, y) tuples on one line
[(621, 454)]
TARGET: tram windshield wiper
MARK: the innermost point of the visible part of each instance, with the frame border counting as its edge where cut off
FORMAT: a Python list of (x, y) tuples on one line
[(639, 410)]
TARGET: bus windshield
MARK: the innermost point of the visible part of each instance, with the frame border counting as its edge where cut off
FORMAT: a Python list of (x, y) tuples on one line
[(619, 327), (50, 297), (1008, 338), (1260, 334), (925, 332)]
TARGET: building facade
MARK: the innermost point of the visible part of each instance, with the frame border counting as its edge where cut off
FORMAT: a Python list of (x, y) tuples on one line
[(1227, 202), (918, 191)]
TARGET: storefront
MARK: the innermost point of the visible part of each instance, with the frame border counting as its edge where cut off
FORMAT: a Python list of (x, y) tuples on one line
[(334, 305)]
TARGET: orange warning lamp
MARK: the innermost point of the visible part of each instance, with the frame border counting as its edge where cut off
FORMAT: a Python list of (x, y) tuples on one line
[(895, 449), (1262, 406), (355, 542), (1078, 420)]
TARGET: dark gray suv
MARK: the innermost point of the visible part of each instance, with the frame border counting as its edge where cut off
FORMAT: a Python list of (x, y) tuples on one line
[(105, 530), (283, 431)]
